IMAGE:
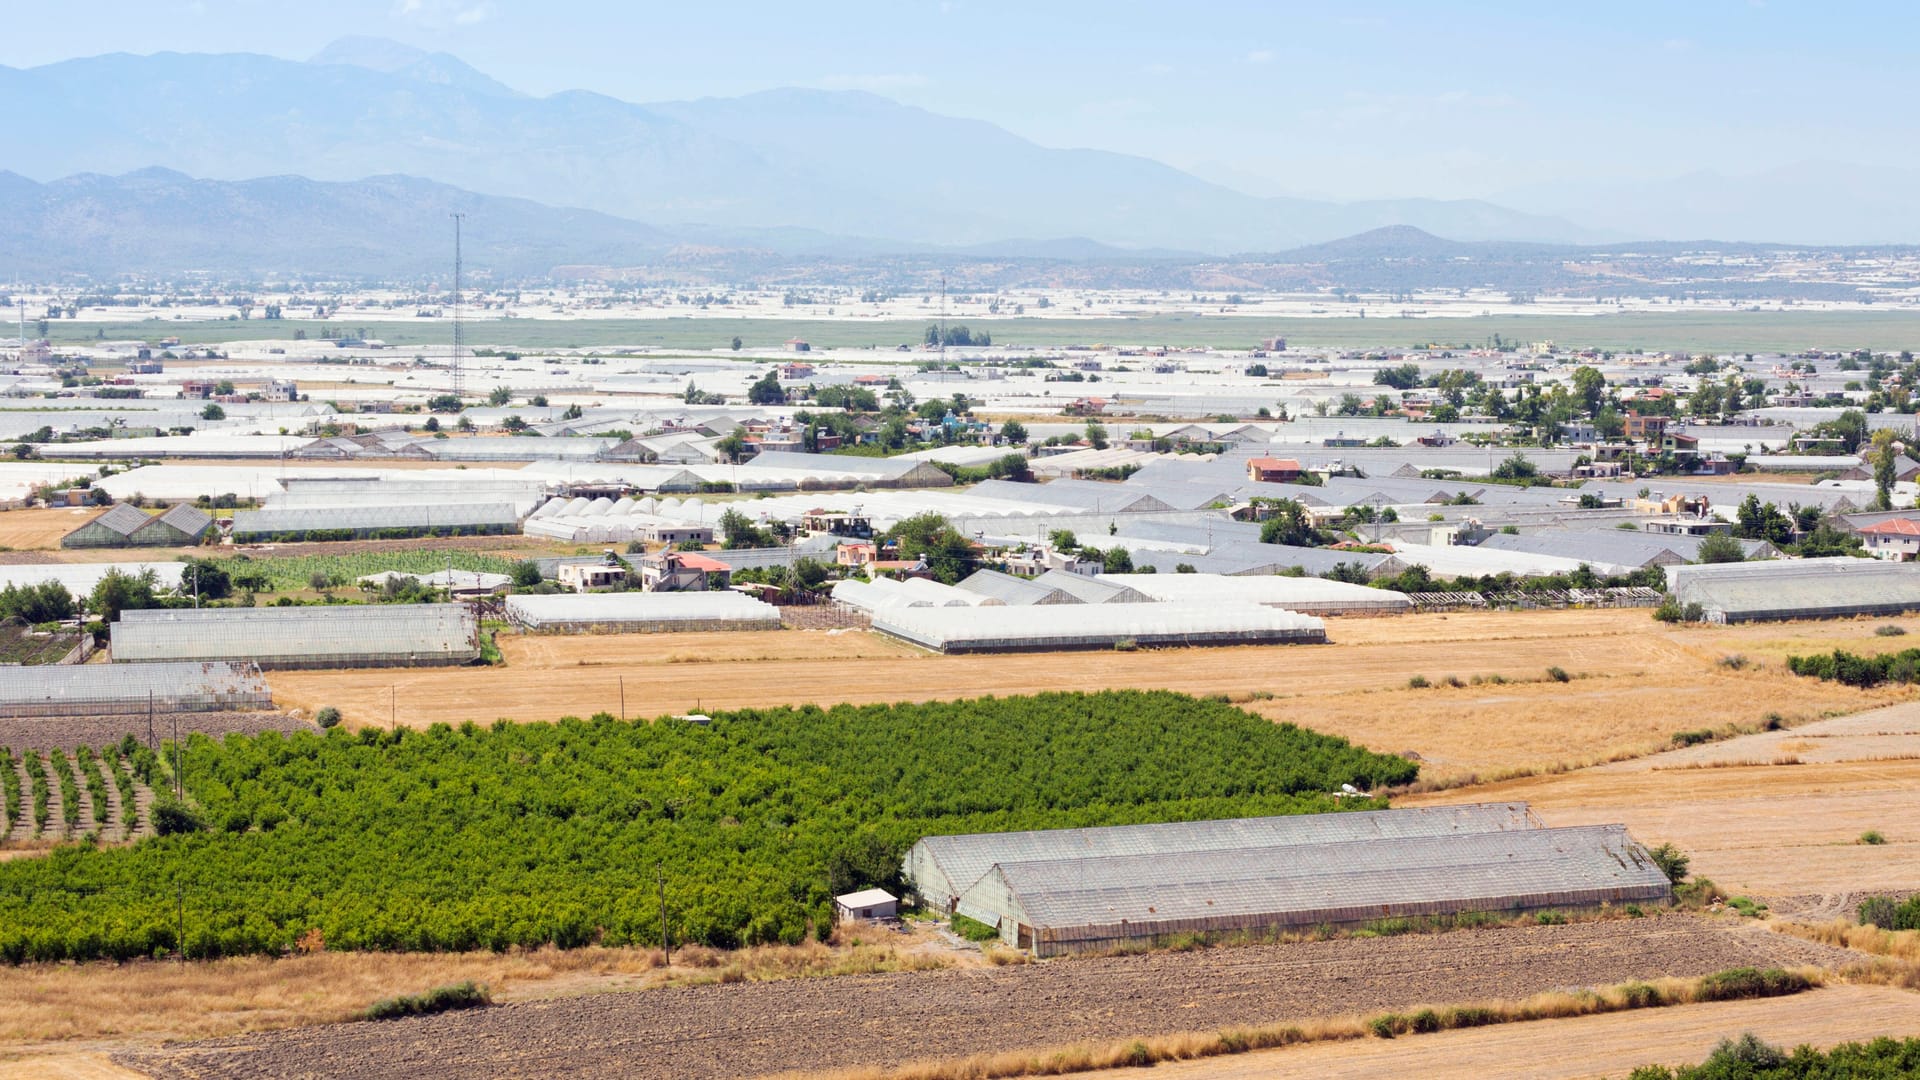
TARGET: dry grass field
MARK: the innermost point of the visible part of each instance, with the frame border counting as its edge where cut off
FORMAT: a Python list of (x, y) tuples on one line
[(1635, 683), (41, 528), (1580, 1047)]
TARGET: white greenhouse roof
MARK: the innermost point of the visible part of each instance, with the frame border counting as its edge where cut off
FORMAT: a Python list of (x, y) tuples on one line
[(1295, 594), (630, 611), (344, 635), (80, 578), (1084, 626)]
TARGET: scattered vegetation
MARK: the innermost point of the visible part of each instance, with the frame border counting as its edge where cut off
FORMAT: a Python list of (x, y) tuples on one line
[(1890, 630), (1890, 914), (1872, 837), (524, 835), (1748, 1058), (974, 930), (1850, 669)]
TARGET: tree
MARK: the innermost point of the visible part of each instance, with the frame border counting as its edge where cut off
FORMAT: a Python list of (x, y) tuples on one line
[(1883, 455), (526, 574), (1590, 388), (1720, 548), (767, 390), (1096, 435), (1755, 520), (207, 577), (931, 537), (432, 424), (1516, 467), (120, 591), (736, 343), (740, 531), (1062, 540), (1404, 377), (734, 446), (1014, 432), (499, 396), (213, 411), (443, 403), (1290, 524), (515, 423), (48, 601)]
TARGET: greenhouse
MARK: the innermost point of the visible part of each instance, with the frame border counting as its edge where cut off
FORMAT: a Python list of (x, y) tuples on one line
[(62, 690), (1797, 588), (359, 635), (941, 867), (1078, 903), (81, 578), (640, 612), (394, 521), (1084, 626), (1313, 596)]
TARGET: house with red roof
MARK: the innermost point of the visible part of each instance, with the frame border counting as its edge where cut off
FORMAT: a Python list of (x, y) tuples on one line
[(1895, 539)]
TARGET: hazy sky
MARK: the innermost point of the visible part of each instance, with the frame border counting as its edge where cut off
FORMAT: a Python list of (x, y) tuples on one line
[(1345, 99)]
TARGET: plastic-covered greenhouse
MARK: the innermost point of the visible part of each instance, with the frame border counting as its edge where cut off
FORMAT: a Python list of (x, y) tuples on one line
[(369, 635), (1094, 626), (336, 522), (641, 612), (1076, 904), (121, 689), (941, 867), (1313, 596), (1797, 588)]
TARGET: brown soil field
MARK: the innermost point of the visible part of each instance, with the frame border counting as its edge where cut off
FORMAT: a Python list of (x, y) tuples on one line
[(1637, 682), (41, 528), (751, 1029), (1578, 1048), (1777, 830)]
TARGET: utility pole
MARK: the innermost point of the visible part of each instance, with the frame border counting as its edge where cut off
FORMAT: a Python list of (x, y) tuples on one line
[(457, 381), (666, 946), (623, 699)]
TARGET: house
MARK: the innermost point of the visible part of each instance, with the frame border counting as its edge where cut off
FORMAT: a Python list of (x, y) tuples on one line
[(1270, 470), (1645, 427), (1895, 539), (197, 388), (869, 904), (591, 576), (682, 571), (280, 390), (795, 371), (831, 523), (797, 345)]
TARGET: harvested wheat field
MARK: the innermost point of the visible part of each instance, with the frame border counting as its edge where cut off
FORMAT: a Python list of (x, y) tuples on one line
[(749, 1029), (1754, 817), (1581, 1047), (1633, 681), (42, 528)]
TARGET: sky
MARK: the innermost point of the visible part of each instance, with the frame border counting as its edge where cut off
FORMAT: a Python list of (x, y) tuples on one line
[(1348, 100)]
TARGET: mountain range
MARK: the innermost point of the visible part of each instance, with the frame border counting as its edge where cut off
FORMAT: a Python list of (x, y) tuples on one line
[(836, 163)]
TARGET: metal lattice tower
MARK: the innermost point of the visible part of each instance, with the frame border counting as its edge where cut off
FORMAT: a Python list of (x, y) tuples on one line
[(458, 387)]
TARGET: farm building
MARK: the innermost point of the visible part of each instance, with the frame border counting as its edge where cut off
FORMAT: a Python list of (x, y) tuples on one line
[(1797, 588), (640, 612), (865, 904), (998, 628), (1045, 896), (128, 526), (124, 689), (370, 635), (394, 521)]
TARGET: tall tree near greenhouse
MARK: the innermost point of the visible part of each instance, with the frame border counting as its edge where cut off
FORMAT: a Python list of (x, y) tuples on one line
[(1883, 455)]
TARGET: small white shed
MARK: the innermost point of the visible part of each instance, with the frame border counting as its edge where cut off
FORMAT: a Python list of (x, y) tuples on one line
[(866, 904)]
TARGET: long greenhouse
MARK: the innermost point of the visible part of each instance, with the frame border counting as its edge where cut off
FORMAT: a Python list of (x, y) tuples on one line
[(942, 867), (370, 635), (68, 690), (381, 522), (1094, 626), (1797, 589), (1078, 903), (1311, 596), (640, 612)]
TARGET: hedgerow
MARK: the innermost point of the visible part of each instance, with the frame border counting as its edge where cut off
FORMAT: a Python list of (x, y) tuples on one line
[(523, 835), (1842, 666), (1747, 1058)]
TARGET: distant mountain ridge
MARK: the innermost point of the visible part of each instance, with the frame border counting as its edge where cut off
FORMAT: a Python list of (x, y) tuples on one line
[(839, 163)]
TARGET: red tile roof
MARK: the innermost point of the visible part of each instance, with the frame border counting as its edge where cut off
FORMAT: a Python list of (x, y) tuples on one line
[(1894, 527)]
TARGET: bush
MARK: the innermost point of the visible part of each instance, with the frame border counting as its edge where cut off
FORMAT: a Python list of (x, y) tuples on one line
[(327, 717), (1558, 674), (974, 930), (465, 995), (1890, 630), (1873, 837), (171, 816), (1692, 738), (1733, 662), (1738, 984), (1889, 914), (1418, 682)]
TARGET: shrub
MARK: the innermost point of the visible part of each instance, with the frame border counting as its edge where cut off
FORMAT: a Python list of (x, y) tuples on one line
[(1890, 630), (1872, 836), (1550, 918), (1692, 738), (1738, 984), (974, 930), (327, 717), (1889, 914), (464, 995), (1668, 611), (1672, 862), (1418, 682), (1733, 662), (1558, 674), (171, 816)]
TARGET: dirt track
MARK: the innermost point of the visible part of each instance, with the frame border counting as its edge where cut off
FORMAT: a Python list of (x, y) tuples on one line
[(751, 1029)]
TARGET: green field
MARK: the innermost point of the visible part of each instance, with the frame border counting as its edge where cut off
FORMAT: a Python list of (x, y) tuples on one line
[(528, 834), (1721, 331)]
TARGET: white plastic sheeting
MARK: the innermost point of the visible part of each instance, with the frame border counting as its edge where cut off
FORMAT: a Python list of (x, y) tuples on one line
[(1316, 596), (641, 612)]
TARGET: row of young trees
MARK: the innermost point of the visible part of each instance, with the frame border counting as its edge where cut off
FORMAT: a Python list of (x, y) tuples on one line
[(524, 835)]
